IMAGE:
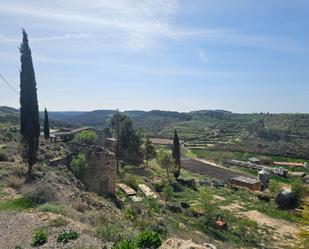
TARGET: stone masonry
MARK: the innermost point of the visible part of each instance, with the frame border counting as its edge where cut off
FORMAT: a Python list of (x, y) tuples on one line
[(100, 175)]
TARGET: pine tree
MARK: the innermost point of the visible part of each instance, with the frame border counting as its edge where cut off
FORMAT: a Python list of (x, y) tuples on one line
[(29, 110), (46, 125), (176, 154)]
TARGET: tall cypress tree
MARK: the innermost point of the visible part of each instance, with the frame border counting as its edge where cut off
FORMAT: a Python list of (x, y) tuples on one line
[(176, 154), (46, 125), (29, 110)]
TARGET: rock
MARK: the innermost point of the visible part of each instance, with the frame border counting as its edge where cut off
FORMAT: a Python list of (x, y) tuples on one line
[(190, 183), (176, 187), (263, 197), (184, 205), (286, 199), (176, 243), (173, 208)]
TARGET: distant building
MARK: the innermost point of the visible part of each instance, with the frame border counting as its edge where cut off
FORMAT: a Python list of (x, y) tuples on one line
[(261, 161), (247, 182)]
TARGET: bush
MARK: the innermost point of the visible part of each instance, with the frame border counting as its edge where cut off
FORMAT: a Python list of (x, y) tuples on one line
[(132, 181), (39, 194), (52, 208), (148, 239), (79, 164), (298, 188), (130, 213), (114, 232), (40, 237), (168, 192), (274, 187), (88, 137), (126, 244), (66, 235)]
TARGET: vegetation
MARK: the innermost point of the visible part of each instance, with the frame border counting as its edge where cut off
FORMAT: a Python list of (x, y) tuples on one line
[(16, 204), (166, 161), (149, 150), (148, 239), (52, 208), (274, 187), (87, 137), (40, 237), (46, 125), (29, 110), (66, 235), (78, 164), (176, 154)]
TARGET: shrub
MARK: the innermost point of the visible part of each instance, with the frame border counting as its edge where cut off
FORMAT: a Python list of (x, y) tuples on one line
[(113, 232), (66, 235), (298, 187), (52, 208), (168, 191), (274, 187), (88, 137), (15, 181), (39, 194), (130, 213), (40, 237), (126, 244), (79, 164), (18, 247), (148, 239), (132, 181)]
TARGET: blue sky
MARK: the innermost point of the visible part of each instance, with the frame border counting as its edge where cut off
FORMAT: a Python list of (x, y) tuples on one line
[(240, 55)]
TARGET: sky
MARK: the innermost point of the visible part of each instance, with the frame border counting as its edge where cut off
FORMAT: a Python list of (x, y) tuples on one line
[(178, 55)]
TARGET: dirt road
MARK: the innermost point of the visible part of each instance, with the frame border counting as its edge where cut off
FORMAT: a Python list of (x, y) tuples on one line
[(208, 170)]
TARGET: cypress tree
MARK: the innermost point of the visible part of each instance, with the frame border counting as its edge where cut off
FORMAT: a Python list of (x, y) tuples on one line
[(46, 125), (29, 110), (176, 154)]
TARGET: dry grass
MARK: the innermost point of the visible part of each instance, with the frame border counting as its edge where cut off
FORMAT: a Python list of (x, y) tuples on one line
[(79, 206), (15, 182)]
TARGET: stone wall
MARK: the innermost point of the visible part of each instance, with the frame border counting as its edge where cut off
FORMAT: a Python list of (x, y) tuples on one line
[(100, 175)]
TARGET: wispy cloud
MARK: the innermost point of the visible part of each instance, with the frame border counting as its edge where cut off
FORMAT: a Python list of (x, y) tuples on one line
[(68, 36), (202, 56), (141, 24)]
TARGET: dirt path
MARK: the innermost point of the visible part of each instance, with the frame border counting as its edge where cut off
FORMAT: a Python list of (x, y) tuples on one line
[(285, 232), (203, 168)]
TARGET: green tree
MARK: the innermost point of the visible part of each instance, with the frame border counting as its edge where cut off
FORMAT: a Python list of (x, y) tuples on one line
[(86, 136), (166, 161), (176, 154), (46, 125), (149, 150), (78, 164), (29, 109), (130, 142)]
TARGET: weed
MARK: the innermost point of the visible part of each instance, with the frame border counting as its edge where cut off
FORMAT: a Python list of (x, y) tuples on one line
[(148, 239), (40, 237), (66, 235), (126, 244), (39, 194)]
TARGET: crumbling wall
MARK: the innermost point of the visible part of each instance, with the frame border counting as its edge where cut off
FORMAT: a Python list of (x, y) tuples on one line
[(100, 175)]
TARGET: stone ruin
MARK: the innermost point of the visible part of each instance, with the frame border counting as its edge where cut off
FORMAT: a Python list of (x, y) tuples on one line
[(100, 175)]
